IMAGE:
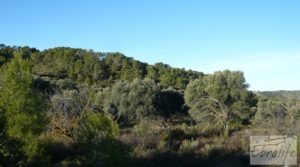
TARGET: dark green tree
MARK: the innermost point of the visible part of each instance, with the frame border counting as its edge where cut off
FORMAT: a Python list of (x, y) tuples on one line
[(170, 102), (22, 106)]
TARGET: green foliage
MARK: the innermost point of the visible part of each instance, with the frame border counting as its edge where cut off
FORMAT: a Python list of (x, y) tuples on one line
[(170, 102), (145, 128), (172, 138), (22, 106), (280, 115), (89, 67), (90, 91), (264, 107), (95, 127), (174, 77), (188, 146), (10, 152), (97, 135), (61, 63), (220, 98), (132, 101), (279, 94), (7, 52)]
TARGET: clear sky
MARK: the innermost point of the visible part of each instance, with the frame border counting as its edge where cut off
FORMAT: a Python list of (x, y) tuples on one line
[(259, 37)]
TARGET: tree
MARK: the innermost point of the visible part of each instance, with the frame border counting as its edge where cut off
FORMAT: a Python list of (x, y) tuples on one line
[(152, 73), (281, 115), (22, 106), (221, 98), (97, 137), (132, 101), (66, 110), (170, 102)]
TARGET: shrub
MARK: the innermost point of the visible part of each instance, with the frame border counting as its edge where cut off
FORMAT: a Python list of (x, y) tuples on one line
[(131, 102), (188, 146), (94, 128), (173, 138)]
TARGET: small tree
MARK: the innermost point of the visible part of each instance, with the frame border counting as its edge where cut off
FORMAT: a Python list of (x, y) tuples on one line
[(66, 110)]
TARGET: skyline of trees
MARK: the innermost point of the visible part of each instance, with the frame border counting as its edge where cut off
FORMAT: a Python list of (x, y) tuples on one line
[(87, 66)]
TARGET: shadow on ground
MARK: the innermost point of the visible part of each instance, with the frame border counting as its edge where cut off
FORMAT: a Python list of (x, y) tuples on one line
[(216, 158)]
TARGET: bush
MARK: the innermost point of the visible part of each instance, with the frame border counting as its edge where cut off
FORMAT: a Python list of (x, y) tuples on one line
[(188, 146), (131, 102), (173, 138), (94, 128), (98, 144)]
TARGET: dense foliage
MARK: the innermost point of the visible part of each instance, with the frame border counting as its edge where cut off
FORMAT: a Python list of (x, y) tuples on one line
[(22, 107), (221, 98), (132, 101)]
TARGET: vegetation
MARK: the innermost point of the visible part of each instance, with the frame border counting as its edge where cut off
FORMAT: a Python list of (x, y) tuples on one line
[(133, 101), (280, 93), (74, 107), (221, 98)]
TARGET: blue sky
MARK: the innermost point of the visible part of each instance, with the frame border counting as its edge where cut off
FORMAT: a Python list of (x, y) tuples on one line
[(259, 37)]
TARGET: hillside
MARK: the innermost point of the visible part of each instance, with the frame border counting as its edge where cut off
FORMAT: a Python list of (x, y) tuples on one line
[(89, 67)]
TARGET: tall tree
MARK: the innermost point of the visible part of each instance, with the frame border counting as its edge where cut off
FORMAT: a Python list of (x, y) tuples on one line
[(21, 105)]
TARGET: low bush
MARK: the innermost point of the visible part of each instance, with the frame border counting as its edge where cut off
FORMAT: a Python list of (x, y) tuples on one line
[(188, 146)]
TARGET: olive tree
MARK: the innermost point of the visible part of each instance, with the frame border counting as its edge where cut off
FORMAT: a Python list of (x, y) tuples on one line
[(281, 115), (132, 101), (220, 99)]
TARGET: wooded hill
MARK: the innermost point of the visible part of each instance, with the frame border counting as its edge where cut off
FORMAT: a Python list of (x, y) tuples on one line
[(89, 67)]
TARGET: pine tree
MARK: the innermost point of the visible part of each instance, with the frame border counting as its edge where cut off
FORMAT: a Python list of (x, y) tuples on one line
[(21, 105)]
